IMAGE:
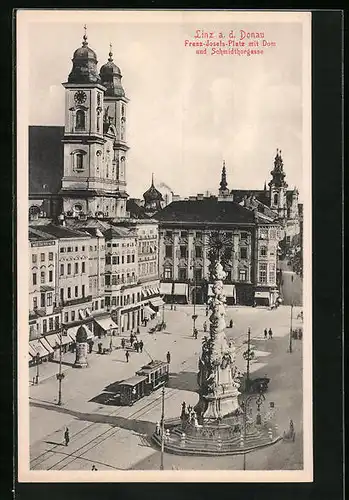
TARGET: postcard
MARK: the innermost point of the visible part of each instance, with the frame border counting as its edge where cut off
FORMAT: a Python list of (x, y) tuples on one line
[(164, 246)]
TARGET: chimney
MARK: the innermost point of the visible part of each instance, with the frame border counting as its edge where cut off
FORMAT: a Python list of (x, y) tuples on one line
[(61, 220)]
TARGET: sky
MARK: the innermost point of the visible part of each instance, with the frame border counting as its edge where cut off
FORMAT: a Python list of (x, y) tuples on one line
[(187, 112)]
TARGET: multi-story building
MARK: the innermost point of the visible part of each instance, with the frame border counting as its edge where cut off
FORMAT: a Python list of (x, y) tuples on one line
[(191, 230)]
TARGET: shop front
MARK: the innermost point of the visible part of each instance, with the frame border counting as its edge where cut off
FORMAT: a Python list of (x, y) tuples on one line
[(262, 298), (180, 293), (166, 290)]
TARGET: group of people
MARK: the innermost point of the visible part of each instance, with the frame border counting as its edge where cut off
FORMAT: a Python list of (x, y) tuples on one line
[(268, 333)]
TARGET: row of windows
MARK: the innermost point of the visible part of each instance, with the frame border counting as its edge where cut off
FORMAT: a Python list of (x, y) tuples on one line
[(183, 252), (198, 235), (42, 257), (69, 292), (77, 268), (42, 277), (117, 279), (123, 245), (183, 274), (266, 233), (50, 324), (46, 300), (122, 301), (148, 268), (72, 249), (115, 259), (263, 270)]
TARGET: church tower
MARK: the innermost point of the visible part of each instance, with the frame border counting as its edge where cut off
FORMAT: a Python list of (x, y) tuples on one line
[(223, 192), (91, 183), (278, 187)]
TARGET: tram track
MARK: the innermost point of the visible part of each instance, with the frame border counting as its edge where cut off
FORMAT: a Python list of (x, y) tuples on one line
[(96, 440)]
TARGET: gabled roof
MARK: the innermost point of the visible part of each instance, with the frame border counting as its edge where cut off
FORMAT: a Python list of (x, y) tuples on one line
[(206, 210), (62, 232), (119, 232), (37, 235), (260, 194)]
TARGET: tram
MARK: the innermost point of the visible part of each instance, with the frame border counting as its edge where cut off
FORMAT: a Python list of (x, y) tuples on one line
[(146, 380)]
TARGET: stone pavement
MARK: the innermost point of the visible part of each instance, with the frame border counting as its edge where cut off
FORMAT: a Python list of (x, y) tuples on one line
[(117, 437)]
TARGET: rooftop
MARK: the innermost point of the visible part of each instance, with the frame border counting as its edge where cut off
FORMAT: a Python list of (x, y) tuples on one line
[(61, 232)]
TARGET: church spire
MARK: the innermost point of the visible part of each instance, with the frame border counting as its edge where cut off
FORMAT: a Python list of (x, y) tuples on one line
[(223, 184), (265, 185)]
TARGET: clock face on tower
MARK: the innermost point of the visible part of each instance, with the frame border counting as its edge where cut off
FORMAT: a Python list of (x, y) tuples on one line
[(80, 97)]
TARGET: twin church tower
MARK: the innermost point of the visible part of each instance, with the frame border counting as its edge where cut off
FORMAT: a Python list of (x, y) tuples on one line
[(95, 147)]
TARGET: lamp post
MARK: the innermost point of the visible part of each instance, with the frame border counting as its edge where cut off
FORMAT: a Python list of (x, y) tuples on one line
[(162, 428), (194, 316), (60, 375), (259, 402), (290, 345), (248, 355), (37, 359)]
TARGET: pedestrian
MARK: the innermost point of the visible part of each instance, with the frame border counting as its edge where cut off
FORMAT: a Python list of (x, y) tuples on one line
[(175, 307), (136, 346), (168, 357), (123, 343), (138, 331), (231, 323), (94, 467), (270, 333), (127, 355), (66, 436), (33, 381), (265, 333), (206, 312), (195, 333), (131, 339), (141, 344)]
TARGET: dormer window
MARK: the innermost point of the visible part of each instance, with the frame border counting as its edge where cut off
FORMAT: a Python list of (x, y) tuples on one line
[(80, 120)]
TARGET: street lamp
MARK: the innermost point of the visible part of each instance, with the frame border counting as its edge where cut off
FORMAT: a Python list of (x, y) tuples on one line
[(37, 359), (162, 427), (259, 402), (248, 356), (60, 375)]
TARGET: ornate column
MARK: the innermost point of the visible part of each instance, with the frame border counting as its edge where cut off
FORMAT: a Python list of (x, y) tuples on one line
[(81, 348), (218, 387)]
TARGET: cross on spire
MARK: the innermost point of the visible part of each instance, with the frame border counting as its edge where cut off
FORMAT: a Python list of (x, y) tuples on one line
[(84, 43), (110, 52), (152, 179)]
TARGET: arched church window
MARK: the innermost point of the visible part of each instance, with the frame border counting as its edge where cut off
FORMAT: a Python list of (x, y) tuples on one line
[(99, 156), (122, 110), (122, 166), (123, 120), (276, 199), (79, 161), (80, 119), (98, 120)]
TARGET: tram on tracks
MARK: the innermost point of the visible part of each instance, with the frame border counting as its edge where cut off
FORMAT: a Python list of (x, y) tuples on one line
[(145, 381)]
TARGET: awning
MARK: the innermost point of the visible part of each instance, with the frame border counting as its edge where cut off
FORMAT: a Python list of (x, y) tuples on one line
[(180, 289), (46, 345), (53, 340), (210, 290), (166, 288), (229, 290), (105, 323), (156, 302), (72, 334), (261, 295), (157, 290), (148, 311), (37, 348)]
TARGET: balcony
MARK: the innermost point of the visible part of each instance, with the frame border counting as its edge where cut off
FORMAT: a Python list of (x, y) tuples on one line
[(79, 300)]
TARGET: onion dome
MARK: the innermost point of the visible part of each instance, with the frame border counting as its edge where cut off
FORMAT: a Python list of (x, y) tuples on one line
[(81, 335), (111, 76), (152, 194), (84, 65)]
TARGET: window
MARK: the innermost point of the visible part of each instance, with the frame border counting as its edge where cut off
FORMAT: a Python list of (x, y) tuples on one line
[(198, 235), (34, 278), (107, 259), (62, 250), (35, 302), (262, 273), (83, 248), (184, 234), (66, 317), (198, 274), (69, 292), (263, 251), (49, 299), (44, 326), (69, 269), (83, 290), (242, 275), (113, 301), (42, 257), (276, 199), (198, 252), (50, 276), (76, 291), (168, 273), (288, 239), (50, 256), (263, 233), (76, 268), (114, 280), (168, 234), (244, 236), (114, 260), (96, 305), (133, 258), (42, 300), (182, 273), (61, 292), (243, 253), (102, 304), (73, 315), (42, 277), (272, 274), (168, 251), (50, 324), (61, 272), (56, 322), (183, 251), (128, 259), (273, 234), (80, 120), (34, 259), (107, 279), (77, 248), (83, 267), (69, 249)]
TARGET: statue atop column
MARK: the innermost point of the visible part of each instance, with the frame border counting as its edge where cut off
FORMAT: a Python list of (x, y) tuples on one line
[(218, 389)]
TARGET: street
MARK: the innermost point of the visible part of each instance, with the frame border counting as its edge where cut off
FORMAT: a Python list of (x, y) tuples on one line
[(114, 437), (291, 286)]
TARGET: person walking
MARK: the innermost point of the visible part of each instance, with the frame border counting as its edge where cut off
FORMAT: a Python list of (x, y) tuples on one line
[(265, 333), (270, 333), (141, 344), (94, 467), (127, 356), (231, 323), (205, 326), (168, 357), (123, 343), (195, 333), (66, 437)]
